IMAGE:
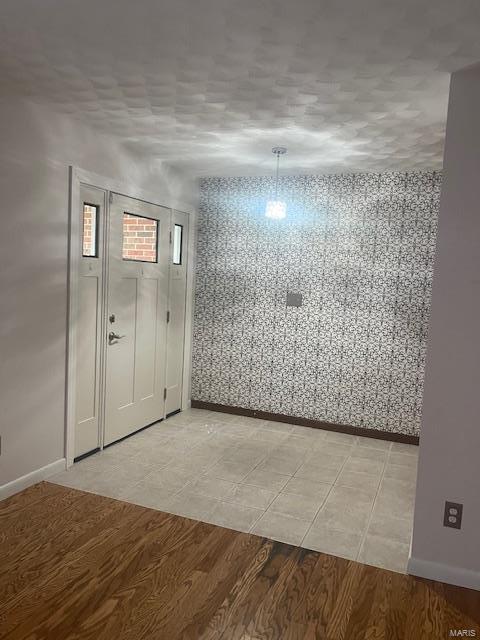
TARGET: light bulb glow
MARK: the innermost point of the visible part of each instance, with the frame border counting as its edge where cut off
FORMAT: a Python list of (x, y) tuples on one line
[(276, 209)]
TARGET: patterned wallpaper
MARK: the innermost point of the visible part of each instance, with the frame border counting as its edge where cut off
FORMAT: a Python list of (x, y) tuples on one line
[(360, 249)]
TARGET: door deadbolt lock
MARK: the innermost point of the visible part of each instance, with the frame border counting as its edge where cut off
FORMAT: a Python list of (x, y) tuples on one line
[(111, 318), (113, 337)]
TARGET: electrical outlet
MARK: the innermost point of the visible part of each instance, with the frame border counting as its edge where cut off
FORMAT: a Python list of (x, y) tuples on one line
[(453, 515)]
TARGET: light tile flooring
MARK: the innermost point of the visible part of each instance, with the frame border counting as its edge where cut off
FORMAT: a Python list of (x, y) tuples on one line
[(344, 495)]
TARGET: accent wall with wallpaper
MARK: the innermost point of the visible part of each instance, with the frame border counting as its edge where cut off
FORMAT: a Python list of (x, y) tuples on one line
[(359, 248)]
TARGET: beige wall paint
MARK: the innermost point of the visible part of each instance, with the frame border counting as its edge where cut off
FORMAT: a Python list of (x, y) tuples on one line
[(450, 443), (37, 148)]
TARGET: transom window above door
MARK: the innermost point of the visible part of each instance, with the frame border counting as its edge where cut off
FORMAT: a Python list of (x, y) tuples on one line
[(140, 238)]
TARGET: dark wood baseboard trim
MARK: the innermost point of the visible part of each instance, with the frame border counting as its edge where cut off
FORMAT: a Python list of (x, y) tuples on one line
[(306, 422)]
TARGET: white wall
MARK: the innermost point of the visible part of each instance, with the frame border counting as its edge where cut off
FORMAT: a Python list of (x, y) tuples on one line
[(449, 464), (36, 149)]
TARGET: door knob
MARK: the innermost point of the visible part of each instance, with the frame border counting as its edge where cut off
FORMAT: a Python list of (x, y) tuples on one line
[(112, 336)]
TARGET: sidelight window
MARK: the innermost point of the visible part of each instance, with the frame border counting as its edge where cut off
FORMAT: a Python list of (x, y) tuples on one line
[(90, 230), (177, 243)]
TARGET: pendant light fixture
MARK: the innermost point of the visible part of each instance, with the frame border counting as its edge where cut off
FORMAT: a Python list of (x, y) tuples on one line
[(277, 209)]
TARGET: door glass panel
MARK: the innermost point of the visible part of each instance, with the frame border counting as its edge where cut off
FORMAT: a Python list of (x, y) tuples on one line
[(177, 243), (90, 231), (140, 238)]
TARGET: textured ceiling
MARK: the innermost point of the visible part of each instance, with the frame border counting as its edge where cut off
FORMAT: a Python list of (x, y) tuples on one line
[(211, 85)]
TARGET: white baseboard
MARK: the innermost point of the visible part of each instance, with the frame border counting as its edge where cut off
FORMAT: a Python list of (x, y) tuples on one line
[(38, 475), (444, 573)]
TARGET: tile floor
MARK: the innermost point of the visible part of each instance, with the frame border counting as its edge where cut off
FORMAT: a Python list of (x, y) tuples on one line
[(344, 495)]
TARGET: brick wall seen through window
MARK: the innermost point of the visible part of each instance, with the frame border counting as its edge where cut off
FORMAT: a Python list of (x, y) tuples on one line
[(89, 231), (139, 238)]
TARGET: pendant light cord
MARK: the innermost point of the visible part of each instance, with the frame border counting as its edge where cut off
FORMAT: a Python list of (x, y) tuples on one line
[(274, 208), (276, 181)]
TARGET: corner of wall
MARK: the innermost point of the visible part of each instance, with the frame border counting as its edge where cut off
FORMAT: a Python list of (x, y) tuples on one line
[(9, 489), (443, 573)]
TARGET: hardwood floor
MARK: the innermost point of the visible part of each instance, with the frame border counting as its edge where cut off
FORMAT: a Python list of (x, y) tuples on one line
[(80, 566)]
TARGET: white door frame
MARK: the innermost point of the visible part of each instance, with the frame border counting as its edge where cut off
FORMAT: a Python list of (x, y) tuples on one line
[(77, 177)]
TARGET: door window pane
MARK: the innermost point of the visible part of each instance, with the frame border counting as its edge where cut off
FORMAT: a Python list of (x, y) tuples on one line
[(177, 243), (90, 230), (139, 238)]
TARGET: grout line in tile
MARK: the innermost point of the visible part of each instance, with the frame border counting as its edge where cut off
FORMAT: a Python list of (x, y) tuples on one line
[(260, 516), (367, 526), (325, 499), (286, 515)]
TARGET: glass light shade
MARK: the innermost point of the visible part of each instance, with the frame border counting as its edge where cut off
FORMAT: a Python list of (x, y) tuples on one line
[(276, 209)]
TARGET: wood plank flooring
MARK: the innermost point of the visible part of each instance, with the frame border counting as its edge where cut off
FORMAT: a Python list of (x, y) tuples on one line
[(74, 565)]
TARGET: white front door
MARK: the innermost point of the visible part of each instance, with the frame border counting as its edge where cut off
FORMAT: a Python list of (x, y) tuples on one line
[(137, 303)]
